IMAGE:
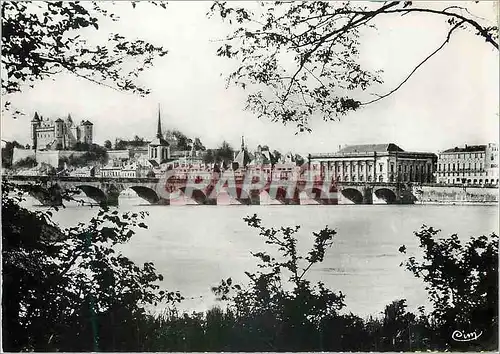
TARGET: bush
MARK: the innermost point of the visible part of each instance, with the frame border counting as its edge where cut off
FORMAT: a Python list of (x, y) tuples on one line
[(27, 162), (462, 282), (70, 290)]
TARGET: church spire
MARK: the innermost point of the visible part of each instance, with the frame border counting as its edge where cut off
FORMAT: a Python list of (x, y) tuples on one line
[(242, 143), (158, 133)]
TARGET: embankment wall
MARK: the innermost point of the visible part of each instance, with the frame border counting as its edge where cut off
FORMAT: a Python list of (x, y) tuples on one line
[(456, 194)]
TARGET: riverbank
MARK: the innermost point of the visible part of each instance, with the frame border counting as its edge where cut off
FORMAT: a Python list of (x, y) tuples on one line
[(456, 195)]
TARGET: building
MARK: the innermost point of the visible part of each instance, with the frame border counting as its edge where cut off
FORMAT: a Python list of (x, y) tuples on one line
[(472, 164), (491, 164), (87, 171), (60, 134), (158, 148), (111, 170), (241, 158), (375, 163), (131, 170)]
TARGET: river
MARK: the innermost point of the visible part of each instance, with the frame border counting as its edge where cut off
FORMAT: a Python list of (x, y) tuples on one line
[(194, 247)]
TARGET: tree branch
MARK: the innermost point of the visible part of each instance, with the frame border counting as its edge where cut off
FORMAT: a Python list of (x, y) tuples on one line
[(416, 68)]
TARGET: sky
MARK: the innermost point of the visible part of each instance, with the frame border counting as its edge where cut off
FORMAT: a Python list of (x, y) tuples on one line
[(451, 101)]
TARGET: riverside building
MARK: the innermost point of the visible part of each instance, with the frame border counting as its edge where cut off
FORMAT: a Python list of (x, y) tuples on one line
[(376, 163), (471, 164)]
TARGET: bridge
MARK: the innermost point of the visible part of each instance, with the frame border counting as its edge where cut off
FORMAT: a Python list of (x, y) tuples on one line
[(205, 190)]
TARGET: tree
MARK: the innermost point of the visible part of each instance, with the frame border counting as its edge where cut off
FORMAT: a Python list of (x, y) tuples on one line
[(108, 145), (300, 59), (8, 152), (80, 146), (67, 290), (276, 157), (121, 144), (27, 162), (182, 140), (279, 300), (198, 145), (42, 39), (462, 283), (209, 156), (224, 153), (299, 160)]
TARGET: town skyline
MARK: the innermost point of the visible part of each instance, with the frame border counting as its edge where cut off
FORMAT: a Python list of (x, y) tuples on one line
[(460, 107)]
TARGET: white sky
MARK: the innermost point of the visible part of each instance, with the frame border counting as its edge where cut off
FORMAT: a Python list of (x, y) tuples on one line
[(450, 101)]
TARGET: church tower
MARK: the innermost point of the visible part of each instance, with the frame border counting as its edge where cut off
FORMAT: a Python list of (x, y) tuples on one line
[(158, 131), (158, 148)]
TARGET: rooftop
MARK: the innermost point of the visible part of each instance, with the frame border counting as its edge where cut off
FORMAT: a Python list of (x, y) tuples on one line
[(369, 148), (467, 148)]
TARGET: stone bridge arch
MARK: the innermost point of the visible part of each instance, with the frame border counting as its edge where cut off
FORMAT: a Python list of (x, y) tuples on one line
[(198, 195), (282, 194), (353, 194), (146, 193), (47, 195), (93, 192), (386, 194), (321, 195)]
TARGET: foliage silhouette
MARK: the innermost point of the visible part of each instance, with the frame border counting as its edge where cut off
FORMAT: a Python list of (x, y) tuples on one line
[(462, 283), (301, 59), (68, 289), (41, 39), (8, 152)]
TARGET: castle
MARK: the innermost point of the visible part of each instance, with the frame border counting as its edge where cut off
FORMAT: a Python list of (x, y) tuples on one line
[(59, 134)]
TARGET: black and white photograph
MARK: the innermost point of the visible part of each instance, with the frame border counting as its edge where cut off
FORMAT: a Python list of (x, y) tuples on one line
[(250, 176)]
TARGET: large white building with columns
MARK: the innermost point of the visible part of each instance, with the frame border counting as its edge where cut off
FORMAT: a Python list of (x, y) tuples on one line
[(375, 163)]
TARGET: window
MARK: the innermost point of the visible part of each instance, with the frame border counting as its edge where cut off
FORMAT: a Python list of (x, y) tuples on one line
[(392, 167), (453, 167), (380, 168)]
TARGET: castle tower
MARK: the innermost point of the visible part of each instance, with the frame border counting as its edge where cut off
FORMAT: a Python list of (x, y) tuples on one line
[(59, 123), (87, 132), (35, 124)]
